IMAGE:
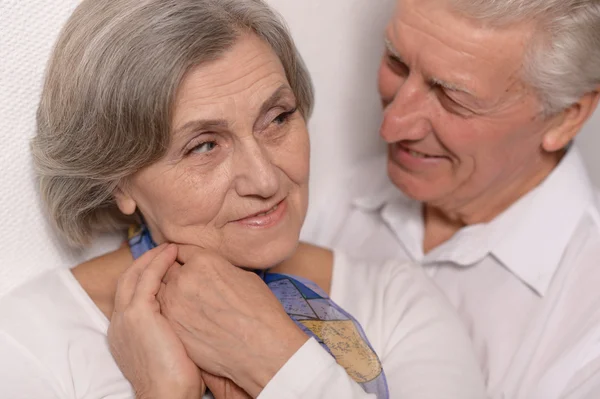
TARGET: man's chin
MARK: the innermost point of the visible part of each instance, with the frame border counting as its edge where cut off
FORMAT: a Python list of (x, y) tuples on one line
[(413, 187)]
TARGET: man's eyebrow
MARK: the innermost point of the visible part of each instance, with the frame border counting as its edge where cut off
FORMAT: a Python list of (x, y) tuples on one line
[(392, 50), (432, 81), (450, 86)]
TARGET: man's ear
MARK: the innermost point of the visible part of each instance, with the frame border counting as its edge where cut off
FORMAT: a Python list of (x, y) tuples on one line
[(124, 201), (570, 121)]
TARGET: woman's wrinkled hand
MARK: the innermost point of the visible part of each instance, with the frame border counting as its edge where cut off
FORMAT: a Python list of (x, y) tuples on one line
[(223, 388), (142, 341), (229, 321)]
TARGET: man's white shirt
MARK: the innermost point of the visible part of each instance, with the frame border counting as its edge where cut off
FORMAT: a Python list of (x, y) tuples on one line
[(526, 285)]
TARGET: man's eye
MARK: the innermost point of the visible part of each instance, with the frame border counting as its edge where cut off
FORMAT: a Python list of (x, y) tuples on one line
[(204, 147), (397, 66), (455, 107)]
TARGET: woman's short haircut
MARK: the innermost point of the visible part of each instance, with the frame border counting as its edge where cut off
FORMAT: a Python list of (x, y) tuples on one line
[(107, 103)]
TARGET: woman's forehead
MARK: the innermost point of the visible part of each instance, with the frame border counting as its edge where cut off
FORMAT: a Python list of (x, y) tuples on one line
[(248, 72)]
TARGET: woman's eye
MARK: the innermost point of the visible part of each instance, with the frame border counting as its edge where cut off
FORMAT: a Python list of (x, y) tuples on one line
[(283, 117), (204, 147)]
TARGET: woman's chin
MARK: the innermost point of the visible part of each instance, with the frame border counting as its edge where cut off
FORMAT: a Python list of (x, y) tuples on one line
[(263, 256)]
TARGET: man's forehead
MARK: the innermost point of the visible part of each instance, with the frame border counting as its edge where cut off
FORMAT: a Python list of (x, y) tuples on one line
[(457, 52)]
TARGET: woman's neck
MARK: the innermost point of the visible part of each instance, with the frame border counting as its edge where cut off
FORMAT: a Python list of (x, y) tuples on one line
[(99, 277), (310, 262)]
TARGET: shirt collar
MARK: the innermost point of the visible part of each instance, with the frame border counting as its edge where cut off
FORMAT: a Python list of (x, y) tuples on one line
[(528, 238), (546, 218)]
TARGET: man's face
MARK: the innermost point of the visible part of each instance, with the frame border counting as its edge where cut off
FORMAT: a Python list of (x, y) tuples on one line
[(460, 123)]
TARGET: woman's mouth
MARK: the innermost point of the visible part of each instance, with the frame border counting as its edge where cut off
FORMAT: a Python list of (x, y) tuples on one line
[(267, 212), (267, 218)]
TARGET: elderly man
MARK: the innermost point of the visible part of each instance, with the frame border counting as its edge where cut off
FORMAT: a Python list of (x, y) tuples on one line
[(484, 188)]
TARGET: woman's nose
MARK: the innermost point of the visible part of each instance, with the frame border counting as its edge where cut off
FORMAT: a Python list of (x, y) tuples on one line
[(255, 174), (406, 117)]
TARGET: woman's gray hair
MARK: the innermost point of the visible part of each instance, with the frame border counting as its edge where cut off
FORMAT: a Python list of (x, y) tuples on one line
[(106, 107), (563, 62)]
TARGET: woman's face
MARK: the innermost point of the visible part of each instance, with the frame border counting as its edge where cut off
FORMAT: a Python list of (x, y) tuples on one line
[(235, 176)]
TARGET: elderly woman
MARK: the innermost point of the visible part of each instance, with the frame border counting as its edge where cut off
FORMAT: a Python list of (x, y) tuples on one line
[(187, 119)]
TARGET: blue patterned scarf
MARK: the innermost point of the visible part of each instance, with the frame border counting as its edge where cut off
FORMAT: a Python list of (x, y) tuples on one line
[(317, 315)]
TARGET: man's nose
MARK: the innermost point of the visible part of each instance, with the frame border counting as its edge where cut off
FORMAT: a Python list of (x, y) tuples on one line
[(407, 116)]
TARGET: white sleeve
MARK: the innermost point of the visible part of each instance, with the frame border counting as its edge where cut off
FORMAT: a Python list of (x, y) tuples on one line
[(428, 354), (312, 373), (21, 375), (585, 384)]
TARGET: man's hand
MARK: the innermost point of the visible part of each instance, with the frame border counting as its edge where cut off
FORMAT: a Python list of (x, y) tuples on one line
[(229, 321)]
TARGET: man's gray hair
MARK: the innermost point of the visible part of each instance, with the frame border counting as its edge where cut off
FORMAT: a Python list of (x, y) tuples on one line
[(106, 107), (563, 62)]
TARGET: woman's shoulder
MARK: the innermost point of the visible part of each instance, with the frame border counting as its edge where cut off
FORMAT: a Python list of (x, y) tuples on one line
[(36, 295), (49, 331), (49, 302), (310, 262)]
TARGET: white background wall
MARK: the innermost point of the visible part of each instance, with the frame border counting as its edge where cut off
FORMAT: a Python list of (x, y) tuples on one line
[(341, 44), (589, 143)]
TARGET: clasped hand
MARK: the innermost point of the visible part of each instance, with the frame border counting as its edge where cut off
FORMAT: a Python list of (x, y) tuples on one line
[(185, 318)]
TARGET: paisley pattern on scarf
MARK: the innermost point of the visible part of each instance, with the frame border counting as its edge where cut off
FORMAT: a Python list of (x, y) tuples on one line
[(317, 315)]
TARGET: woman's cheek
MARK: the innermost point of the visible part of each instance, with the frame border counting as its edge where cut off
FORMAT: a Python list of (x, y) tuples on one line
[(195, 206), (299, 159)]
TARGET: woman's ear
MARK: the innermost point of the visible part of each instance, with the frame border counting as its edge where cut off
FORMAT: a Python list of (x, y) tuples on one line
[(124, 201), (570, 121)]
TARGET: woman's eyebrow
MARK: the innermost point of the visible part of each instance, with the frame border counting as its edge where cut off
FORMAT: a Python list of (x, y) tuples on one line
[(283, 91), (201, 124), (211, 124)]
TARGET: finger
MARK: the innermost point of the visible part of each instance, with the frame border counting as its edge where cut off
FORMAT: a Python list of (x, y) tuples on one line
[(151, 277), (186, 252), (172, 272), (129, 279), (223, 388)]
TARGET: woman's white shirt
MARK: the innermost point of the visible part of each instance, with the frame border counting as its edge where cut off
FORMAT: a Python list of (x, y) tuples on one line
[(53, 341)]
